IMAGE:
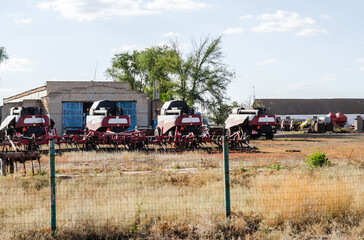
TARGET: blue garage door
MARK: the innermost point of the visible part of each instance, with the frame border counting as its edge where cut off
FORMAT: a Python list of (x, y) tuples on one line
[(129, 108), (72, 115)]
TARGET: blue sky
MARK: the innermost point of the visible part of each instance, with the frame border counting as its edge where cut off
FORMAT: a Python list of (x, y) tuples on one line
[(282, 48)]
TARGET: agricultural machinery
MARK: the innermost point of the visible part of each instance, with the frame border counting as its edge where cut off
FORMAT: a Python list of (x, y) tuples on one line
[(26, 121), (177, 118), (339, 119), (251, 123), (178, 129), (285, 125), (106, 116)]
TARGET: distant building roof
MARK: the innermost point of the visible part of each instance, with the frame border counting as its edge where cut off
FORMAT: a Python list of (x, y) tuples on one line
[(313, 106)]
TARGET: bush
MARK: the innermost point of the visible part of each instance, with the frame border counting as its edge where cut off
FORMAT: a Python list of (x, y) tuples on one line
[(276, 167), (317, 159)]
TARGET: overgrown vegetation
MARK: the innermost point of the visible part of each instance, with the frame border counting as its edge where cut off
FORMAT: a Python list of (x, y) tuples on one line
[(317, 159), (199, 77)]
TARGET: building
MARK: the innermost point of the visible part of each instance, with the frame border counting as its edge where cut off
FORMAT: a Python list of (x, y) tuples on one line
[(307, 108), (68, 102)]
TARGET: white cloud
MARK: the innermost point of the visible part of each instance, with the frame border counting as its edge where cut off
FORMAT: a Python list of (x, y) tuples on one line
[(269, 61), (330, 77), (125, 48), (176, 5), (360, 60), (231, 31), (311, 32), (23, 20), (88, 10), (16, 65), (325, 16), (291, 90), (7, 90), (285, 21), (171, 34), (245, 17)]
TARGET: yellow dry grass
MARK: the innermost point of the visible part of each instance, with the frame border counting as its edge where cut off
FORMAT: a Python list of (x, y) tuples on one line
[(302, 198), (157, 193)]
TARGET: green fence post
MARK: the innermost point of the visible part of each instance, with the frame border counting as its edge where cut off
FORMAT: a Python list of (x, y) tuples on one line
[(226, 176), (53, 187)]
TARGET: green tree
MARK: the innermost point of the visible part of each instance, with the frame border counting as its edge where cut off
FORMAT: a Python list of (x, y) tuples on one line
[(148, 71), (157, 64), (199, 78), (3, 54), (219, 112), (182, 71), (203, 78), (125, 68)]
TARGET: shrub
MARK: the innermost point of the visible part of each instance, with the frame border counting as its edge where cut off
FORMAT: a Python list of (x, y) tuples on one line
[(243, 168), (276, 167), (317, 159)]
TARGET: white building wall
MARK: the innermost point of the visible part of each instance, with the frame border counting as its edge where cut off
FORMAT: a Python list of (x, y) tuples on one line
[(32, 96)]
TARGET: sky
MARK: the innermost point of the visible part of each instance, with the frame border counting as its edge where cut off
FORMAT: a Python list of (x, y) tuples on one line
[(278, 49)]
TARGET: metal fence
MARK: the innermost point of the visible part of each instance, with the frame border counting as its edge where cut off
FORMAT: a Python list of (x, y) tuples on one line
[(135, 189)]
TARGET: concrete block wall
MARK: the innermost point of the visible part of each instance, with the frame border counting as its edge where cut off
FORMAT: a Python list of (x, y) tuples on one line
[(77, 91), (58, 92)]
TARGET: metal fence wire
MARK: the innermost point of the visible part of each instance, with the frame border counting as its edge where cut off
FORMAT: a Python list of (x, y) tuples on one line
[(132, 188)]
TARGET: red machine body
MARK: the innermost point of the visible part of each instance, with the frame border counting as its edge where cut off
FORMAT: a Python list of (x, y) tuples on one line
[(106, 116), (33, 121), (27, 121), (338, 119), (253, 122), (262, 120), (176, 116), (109, 123)]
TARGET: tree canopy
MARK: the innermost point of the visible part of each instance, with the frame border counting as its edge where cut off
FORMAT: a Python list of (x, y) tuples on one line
[(146, 71), (3, 54), (199, 77), (203, 78)]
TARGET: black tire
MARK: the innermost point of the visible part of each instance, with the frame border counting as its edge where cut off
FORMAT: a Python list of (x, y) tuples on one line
[(269, 136), (255, 136)]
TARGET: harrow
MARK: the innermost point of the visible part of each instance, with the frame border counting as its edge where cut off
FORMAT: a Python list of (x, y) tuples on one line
[(136, 140), (19, 148), (26, 134)]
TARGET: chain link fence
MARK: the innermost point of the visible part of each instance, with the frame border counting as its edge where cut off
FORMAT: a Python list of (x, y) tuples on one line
[(132, 189)]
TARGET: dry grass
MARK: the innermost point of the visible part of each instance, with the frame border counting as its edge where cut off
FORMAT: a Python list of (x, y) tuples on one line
[(306, 198), (174, 196)]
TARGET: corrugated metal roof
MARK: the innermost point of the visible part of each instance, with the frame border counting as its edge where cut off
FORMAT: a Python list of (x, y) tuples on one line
[(313, 106)]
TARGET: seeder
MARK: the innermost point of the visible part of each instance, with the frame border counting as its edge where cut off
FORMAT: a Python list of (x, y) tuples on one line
[(178, 129)]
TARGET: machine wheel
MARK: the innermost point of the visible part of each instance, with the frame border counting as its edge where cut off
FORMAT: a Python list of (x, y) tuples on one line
[(255, 136), (269, 136)]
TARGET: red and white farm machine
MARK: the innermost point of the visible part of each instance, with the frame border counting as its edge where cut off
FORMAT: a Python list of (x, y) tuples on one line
[(250, 123), (26, 121), (106, 116), (27, 132)]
